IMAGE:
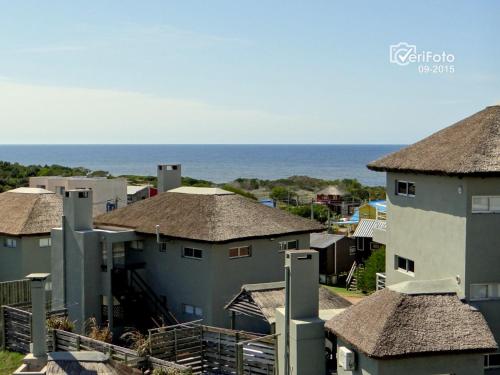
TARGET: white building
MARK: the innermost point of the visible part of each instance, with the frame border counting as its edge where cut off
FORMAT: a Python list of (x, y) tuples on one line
[(108, 193)]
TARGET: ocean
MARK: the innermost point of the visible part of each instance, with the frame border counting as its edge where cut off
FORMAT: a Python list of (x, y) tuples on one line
[(218, 163)]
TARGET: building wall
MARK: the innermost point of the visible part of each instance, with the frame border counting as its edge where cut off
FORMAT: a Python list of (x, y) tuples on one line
[(456, 364), (103, 189), (212, 281), (429, 229), (483, 248), (27, 257)]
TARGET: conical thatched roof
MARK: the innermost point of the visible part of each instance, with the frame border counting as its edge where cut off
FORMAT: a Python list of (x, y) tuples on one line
[(212, 215), (392, 324), (469, 147), (29, 211), (332, 190)]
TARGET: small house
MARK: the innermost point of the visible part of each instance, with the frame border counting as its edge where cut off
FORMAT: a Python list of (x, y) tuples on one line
[(412, 328), (336, 255), (254, 307)]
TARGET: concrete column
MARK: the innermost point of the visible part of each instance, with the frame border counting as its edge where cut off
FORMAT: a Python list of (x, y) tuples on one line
[(304, 353), (39, 314), (169, 177)]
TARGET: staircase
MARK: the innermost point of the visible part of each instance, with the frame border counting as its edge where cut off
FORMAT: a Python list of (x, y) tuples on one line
[(141, 306), (352, 281)]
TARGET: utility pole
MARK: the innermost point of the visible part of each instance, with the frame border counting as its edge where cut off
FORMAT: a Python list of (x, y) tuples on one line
[(312, 208)]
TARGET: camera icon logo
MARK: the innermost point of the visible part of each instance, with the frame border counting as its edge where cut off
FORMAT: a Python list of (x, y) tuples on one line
[(400, 53)]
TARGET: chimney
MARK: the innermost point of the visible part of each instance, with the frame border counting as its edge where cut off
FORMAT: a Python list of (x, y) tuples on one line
[(77, 209), (39, 315), (169, 177), (301, 341)]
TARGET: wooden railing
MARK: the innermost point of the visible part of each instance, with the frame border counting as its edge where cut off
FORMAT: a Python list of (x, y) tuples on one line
[(380, 280), (214, 350), (351, 275), (16, 327), (68, 341)]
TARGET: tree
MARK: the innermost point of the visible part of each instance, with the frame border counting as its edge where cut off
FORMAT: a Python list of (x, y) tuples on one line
[(367, 280), (279, 193)]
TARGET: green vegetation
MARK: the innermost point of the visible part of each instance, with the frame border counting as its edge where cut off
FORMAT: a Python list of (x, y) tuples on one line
[(238, 191), (320, 212), (366, 280), (342, 291), (9, 362), (280, 188), (13, 175)]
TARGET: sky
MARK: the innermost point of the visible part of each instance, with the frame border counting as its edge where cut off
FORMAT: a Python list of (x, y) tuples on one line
[(284, 72)]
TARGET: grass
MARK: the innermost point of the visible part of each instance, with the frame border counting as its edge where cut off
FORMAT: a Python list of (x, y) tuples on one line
[(9, 362), (344, 292)]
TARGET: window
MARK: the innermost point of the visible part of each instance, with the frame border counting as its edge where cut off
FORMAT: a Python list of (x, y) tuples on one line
[(136, 245), (189, 252), (289, 245), (485, 291), (60, 190), (492, 360), (360, 242), (83, 194), (239, 252), (41, 186), (44, 242), (404, 264), (486, 204), (192, 310), (10, 242), (162, 247), (405, 188)]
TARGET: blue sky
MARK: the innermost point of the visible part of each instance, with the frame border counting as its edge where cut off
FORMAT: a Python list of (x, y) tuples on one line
[(240, 72)]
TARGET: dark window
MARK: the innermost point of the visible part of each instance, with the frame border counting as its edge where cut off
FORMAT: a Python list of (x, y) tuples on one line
[(402, 263), (401, 188), (411, 188), (411, 266), (189, 252), (405, 188), (238, 252)]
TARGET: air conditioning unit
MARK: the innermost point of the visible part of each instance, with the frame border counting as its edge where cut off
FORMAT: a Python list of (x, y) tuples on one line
[(346, 359)]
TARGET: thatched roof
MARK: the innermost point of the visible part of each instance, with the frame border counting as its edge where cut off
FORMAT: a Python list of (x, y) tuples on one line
[(469, 147), (332, 190), (391, 324), (261, 300), (29, 211), (211, 215)]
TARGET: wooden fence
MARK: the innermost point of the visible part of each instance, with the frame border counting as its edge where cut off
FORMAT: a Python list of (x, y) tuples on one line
[(16, 327), (214, 350), (68, 341), (14, 292)]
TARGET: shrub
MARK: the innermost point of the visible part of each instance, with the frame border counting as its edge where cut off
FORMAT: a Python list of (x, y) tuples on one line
[(61, 323), (98, 333), (376, 263), (137, 341)]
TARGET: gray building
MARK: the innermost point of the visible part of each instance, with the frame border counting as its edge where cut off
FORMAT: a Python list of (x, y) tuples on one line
[(27, 216), (184, 253), (412, 328), (443, 198)]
